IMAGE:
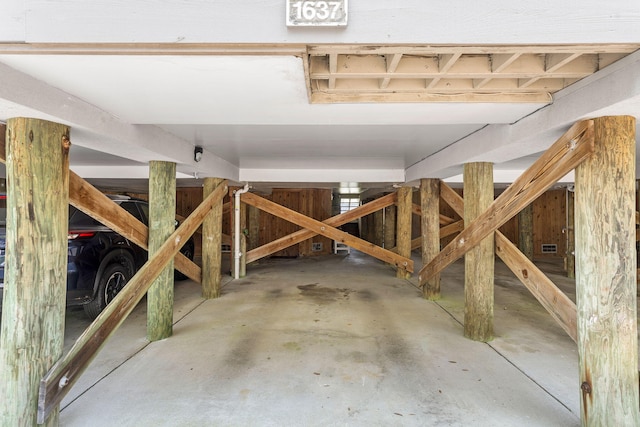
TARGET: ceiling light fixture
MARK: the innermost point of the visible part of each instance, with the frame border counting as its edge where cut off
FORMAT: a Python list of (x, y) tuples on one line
[(197, 153)]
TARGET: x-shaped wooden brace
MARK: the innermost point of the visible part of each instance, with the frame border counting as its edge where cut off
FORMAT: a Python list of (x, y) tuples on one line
[(561, 308), (561, 158), (325, 229)]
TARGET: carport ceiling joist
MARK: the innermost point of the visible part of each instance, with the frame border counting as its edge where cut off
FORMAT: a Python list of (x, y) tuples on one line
[(452, 73), (350, 73)]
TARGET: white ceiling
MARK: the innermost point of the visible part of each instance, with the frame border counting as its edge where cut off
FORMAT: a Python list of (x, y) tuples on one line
[(251, 111)]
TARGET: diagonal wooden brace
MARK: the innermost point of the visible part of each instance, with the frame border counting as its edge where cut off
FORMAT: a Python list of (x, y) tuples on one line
[(326, 230), (336, 221), (562, 157), (556, 302), (91, 201), (64, 373)]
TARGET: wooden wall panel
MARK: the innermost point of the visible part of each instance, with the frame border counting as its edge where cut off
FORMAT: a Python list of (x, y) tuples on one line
[(549, 217), (313, 202), (187, 199), (277, 227), (322, 209)]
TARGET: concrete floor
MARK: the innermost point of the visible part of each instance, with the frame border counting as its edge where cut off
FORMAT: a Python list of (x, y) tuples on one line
[(332, 340)]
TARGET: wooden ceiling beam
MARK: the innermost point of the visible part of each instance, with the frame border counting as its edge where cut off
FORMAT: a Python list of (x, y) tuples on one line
[(392, 64)]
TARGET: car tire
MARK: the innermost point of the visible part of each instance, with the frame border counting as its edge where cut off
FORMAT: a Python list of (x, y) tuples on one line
[(110, 283), (187, 250)]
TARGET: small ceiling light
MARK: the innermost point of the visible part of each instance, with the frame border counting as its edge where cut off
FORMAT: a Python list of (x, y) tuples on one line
[(197, 153)]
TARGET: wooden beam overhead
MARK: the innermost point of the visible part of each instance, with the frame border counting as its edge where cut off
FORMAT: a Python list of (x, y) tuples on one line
[(396, 73), (452, 73)]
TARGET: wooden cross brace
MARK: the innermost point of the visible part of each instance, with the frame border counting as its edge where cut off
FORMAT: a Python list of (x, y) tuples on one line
[(91, 201), (561, 158), (335, 221), (325, 229), (64, 373), (561, 308)]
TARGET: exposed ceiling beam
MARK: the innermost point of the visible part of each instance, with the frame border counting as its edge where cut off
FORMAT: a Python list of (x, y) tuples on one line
[(607, 92)]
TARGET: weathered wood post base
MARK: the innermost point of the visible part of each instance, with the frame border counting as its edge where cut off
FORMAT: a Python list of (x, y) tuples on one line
[(212, 244), (479, 261), (403, 222), (430, 228), (605, 277), (33, 311), (162, 208)]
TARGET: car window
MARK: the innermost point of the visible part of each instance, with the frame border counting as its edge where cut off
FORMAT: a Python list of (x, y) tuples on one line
[(79, 219), (145, 212), (132, 208)]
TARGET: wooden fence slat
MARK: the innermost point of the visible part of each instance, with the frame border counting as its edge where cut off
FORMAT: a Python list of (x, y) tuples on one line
[(64, 373), (336, 221), (326, 230), (562, 157)]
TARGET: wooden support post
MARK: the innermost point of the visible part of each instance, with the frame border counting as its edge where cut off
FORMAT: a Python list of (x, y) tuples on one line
[(562, 157), (525, 231), (479, 261), (243, 240), (212, 244), (66, 371), (430, 229), (232, 230), (390, 227), (378, 228), (33, 311), (605, 276), (570, 234), (365, 227), (94, 203), (559, 306), (403, 235), (254, 228), (162, 223)]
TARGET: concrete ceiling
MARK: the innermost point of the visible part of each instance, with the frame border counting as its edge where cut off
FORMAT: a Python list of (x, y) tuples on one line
[(249, 107)]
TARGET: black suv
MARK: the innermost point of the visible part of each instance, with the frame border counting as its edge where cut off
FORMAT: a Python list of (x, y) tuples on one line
[(100, 261)]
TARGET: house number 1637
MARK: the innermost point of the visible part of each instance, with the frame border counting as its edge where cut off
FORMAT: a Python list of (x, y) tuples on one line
[(321, 12)]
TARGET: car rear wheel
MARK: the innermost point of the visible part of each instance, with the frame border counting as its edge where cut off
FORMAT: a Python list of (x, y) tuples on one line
[(113, 279)]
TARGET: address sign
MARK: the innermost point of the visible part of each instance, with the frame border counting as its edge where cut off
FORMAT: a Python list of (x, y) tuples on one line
[(312, 13)]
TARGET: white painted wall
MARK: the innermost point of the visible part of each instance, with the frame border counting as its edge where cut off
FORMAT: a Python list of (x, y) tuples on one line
[(370, 21)]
